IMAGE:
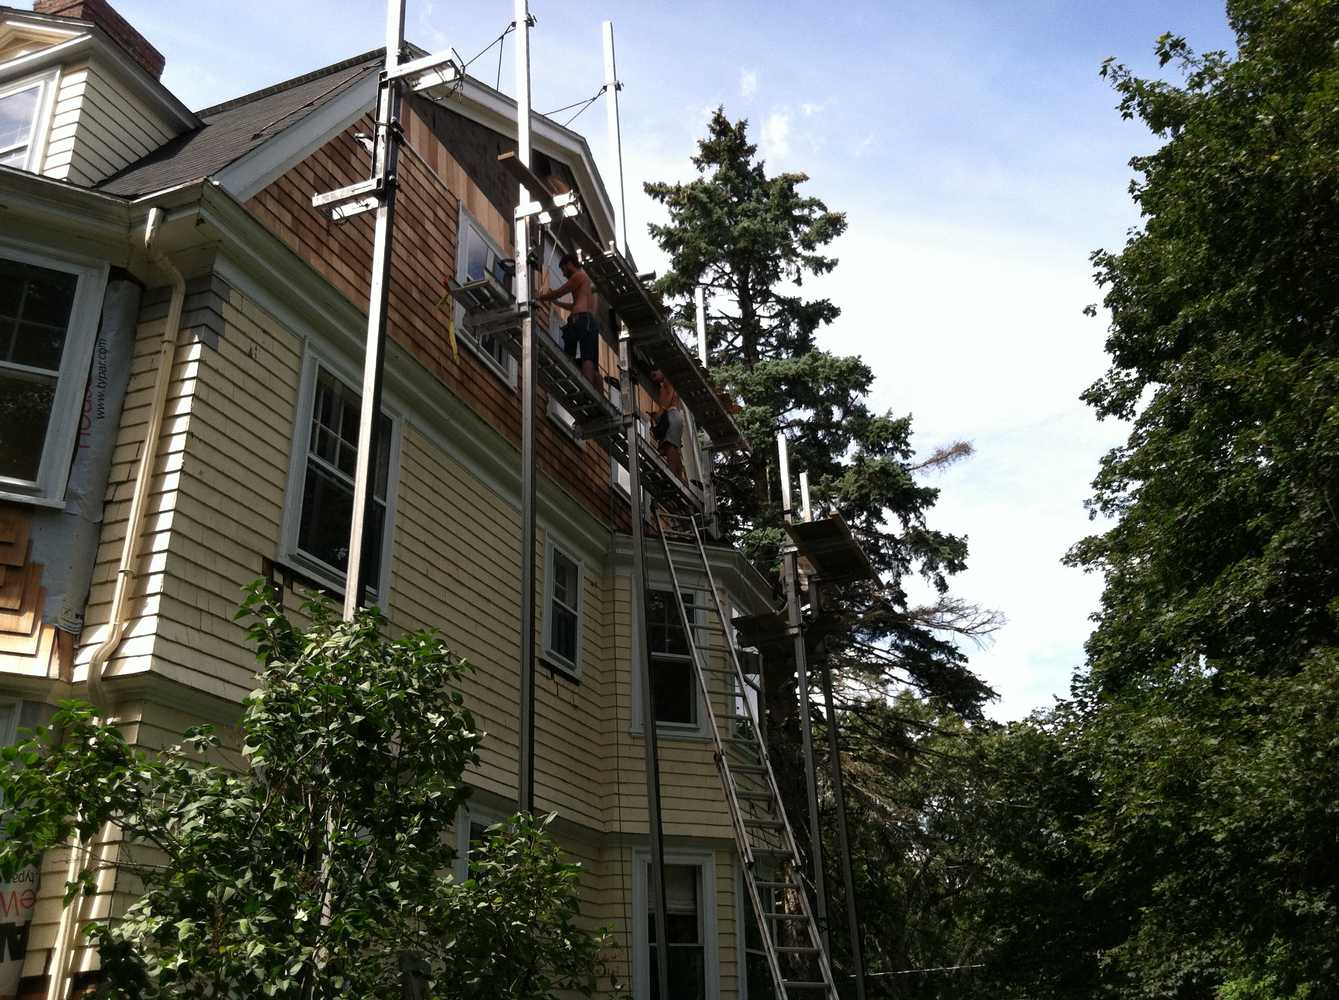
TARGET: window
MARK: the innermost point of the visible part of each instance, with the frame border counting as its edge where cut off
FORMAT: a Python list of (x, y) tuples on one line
[(322, 479), (48, 322), (673, 675), (691, 946), (471, 827), (755, 976), (618, 472), (562, 591), (21, 118), (477, 256)]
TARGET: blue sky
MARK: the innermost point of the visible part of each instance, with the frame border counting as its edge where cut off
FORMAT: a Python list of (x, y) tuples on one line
[(979, 158)]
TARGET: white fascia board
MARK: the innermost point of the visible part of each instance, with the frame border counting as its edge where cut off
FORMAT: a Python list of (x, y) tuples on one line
[(99, 223), (252, 172), (730, 568), (60, 54), (481, 103)]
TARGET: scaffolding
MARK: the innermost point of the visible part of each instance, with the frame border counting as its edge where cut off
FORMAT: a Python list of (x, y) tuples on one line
[(646, 341)]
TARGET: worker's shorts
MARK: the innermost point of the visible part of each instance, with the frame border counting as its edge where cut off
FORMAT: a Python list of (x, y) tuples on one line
[(581, 334), (669, 428)]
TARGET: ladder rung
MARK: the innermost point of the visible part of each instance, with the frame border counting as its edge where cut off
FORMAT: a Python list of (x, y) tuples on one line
[(764, 824), (792, 949), (754, 796), (775, 885), (786, 916), (803, 984)]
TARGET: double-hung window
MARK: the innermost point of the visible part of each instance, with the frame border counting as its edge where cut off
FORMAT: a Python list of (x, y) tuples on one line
[(673, 677), (23, 108), (477, 257), (320, 511), (562, 628), (48, 323), (690, 950)]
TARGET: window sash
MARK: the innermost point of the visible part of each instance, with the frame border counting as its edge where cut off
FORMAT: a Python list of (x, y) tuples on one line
[(345, 403), (563, 613), (23, 139), (49, 425)]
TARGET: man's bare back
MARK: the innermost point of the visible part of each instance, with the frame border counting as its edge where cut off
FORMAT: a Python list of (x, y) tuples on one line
[(579, 286)]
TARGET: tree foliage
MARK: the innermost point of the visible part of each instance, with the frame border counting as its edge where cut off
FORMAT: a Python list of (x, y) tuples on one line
[(309, 870)]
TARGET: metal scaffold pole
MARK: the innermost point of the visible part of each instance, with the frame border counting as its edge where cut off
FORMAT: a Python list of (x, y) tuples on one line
[(385, 156), (790, 570), (641, 653), (525, 794)]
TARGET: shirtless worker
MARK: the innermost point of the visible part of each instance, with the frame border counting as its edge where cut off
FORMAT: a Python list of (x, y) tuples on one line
[(581, 332), (668, 426)]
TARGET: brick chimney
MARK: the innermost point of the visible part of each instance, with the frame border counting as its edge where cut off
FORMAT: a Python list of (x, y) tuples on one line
[(100, 13)]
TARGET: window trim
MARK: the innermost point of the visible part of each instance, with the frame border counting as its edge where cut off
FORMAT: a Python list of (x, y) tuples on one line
[(705, 862), (289, 552), (569, 668), (508, 373), (53, 470), (48, 83)]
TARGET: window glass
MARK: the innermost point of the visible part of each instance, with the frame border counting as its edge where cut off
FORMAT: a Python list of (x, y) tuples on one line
[(683, 928), (673, 676), (35, 307), (18, 112), (327, 489), (564, 607)]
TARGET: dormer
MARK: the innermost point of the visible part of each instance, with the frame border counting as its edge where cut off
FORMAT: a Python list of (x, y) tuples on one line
[(80, 97)]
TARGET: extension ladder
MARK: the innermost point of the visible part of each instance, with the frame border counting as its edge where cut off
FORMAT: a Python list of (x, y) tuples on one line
[(773, 871)]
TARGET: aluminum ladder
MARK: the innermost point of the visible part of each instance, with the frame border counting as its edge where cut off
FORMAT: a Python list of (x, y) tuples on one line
[(766, 843)]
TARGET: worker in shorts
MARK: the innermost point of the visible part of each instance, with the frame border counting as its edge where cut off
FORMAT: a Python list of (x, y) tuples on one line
[(668, 426), (581, 332)]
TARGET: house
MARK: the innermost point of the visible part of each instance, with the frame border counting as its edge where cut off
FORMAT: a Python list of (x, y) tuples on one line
[(137, 234)]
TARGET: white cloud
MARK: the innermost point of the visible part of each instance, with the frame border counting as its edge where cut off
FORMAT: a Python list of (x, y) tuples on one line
[(776, 134), (748, 83), (980, 336), (810, 108)]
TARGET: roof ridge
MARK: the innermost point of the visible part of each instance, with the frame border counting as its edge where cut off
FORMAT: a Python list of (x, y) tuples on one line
[(297, 81)]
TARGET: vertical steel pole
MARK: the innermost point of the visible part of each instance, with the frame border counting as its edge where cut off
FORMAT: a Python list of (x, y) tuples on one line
[(700, 302), (641, 661), (386, 154), (791, 570), (843, 837), (525, 794), (611, 89)]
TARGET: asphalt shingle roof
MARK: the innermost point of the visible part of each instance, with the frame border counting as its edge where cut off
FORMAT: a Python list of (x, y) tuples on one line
[(233, 129)]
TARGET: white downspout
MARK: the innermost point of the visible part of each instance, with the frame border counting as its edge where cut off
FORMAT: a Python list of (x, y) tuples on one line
[(57, 983), (125, 571)]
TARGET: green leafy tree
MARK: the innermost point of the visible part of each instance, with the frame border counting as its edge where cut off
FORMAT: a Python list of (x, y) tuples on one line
[(311, 869), (1206, 718)]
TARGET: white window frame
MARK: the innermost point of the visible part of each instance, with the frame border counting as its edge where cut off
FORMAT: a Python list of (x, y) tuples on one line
[(571, 668), (53, 471), (506, 371), (290, 554), (705, 862), (701, 729), (47, 83), (619, 476)]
